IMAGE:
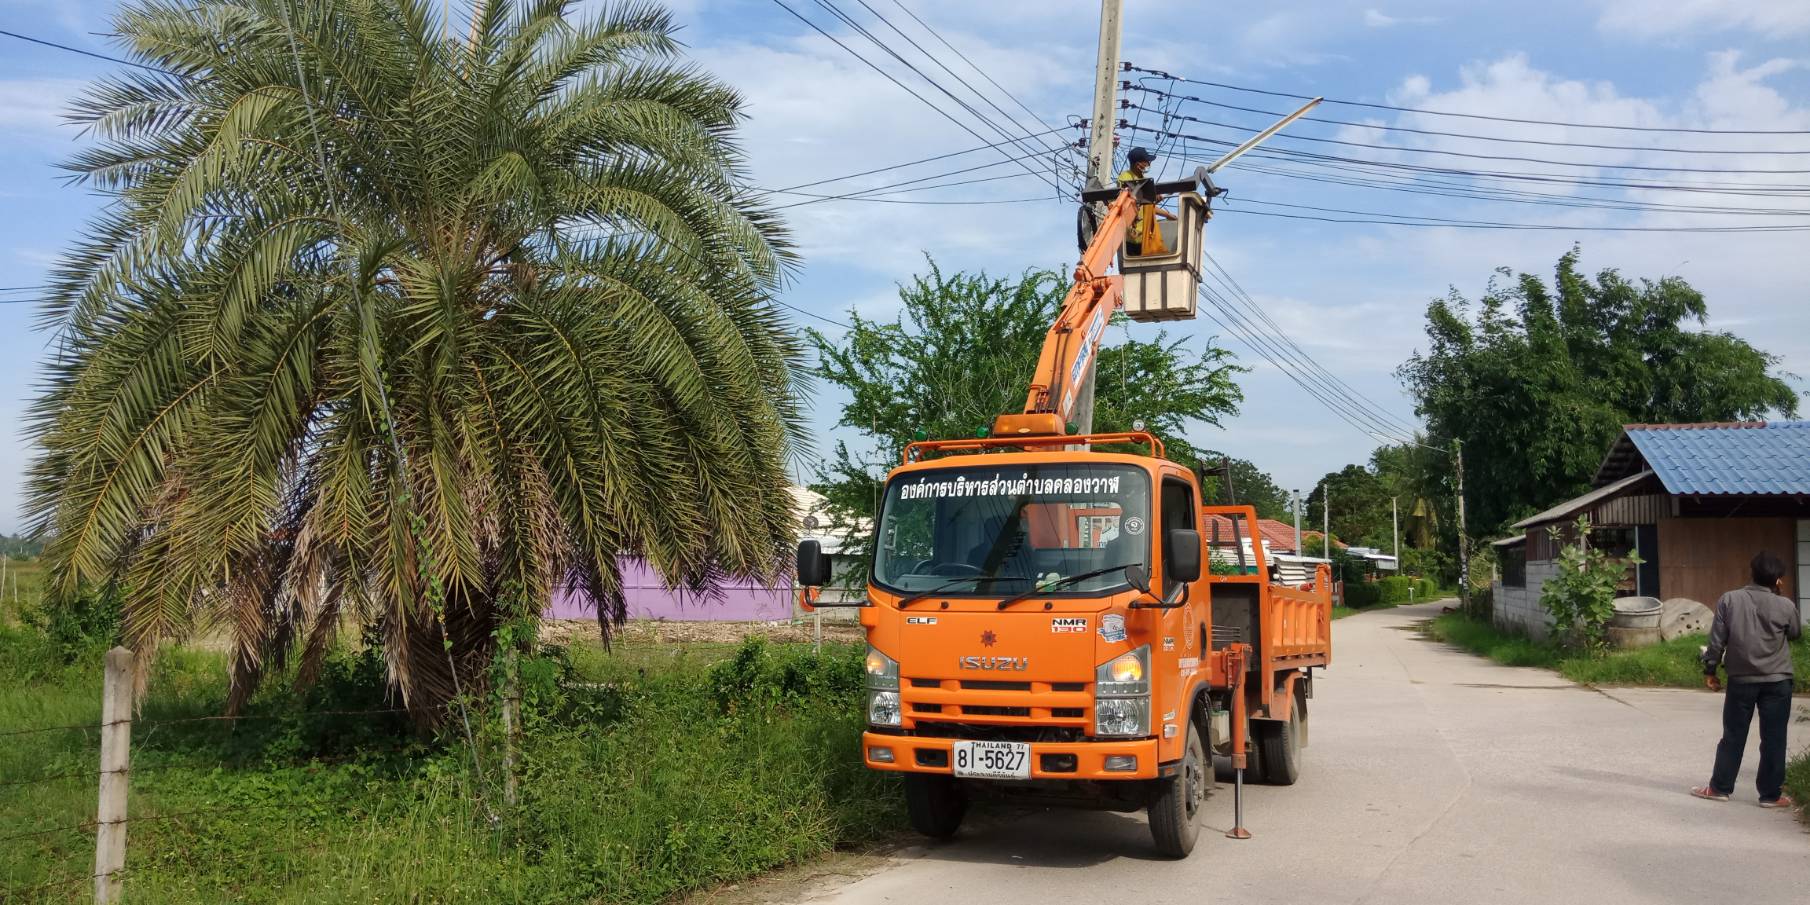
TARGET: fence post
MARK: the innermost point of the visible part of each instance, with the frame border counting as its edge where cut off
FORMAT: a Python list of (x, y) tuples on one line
[(116, 758), (512, 721)]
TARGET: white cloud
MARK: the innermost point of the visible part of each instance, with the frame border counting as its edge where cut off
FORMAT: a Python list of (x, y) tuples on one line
[(1668, 18), (37, 106), (1377, 19)]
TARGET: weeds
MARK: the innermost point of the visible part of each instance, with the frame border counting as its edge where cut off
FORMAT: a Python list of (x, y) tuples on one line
[(641, 779), (1669, 664)]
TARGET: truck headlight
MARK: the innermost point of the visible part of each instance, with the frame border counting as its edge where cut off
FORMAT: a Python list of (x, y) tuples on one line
[(883, 708), (1122, 716), (1122, 695)]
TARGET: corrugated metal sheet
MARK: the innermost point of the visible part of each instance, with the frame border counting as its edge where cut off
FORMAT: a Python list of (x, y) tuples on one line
[(1770, 458)]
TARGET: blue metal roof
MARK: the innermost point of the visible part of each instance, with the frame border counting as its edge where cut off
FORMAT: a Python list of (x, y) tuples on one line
[(1773, 457)]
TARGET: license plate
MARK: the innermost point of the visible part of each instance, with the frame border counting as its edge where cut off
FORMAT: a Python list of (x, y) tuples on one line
[(993, 760)]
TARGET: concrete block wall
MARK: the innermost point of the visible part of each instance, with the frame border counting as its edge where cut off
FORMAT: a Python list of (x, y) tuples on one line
[(1518, 609)]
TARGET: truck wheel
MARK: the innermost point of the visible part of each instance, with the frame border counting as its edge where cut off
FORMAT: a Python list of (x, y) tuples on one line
[(1175, 809), (1279, 750), (936, 804)]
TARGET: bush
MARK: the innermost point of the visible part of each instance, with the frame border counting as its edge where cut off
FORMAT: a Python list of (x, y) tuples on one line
[(1581, 595), (85, 624), (1360, 594), (1394, 588)]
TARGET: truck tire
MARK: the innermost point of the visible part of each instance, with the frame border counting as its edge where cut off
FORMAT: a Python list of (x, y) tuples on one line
[(1175, 808), (1279, 749), (935, 803)]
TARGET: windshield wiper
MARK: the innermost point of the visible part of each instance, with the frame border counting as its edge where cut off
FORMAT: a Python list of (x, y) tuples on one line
[(977, 579), (1071, 579)]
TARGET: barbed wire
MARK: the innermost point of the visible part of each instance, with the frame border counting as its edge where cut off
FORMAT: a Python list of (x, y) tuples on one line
[(221, 718)]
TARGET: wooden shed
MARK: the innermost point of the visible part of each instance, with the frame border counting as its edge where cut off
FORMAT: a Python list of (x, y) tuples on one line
[(1694, 501)]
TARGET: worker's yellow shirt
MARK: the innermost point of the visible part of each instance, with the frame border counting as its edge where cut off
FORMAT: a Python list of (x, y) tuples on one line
[(1148, 237)]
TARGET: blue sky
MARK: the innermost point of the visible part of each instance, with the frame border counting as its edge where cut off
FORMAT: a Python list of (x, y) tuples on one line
[(1350, 295)]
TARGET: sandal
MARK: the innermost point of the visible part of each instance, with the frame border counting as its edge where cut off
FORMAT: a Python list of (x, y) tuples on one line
[(1783, 801), (1708, 794)]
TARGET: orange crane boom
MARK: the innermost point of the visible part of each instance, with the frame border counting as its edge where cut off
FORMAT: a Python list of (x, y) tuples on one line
[(1074, 337)]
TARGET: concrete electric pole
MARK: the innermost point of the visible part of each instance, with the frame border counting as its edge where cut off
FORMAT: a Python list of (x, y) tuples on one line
[(1395, 531), (1099, 160), (1297, 495)]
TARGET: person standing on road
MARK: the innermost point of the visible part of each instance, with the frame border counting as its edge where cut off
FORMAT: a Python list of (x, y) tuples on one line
[(1752, 637)]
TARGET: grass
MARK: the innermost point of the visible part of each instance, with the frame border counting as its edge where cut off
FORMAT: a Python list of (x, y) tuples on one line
[(1669, 664), (644, 775)]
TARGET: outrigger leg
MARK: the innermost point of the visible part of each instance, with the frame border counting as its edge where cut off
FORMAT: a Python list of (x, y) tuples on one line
[(1239, 740)]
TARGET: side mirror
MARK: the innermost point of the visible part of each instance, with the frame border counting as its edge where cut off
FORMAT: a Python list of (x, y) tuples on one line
[(1181, 555), (1137, 577), (813, 564)]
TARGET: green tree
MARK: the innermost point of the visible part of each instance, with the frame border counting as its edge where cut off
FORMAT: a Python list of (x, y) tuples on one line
[(962, 352), (1537, 380), (404, 323), (1250, 485)]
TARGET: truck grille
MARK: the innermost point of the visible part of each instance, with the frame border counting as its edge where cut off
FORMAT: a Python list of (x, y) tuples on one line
[(996, 703)]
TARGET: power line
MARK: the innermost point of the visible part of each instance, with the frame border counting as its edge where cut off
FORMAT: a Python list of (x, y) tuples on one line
[(1500, 157), (971, 64), (915, 181), (932, 58), (889, 77), (1427, 185), (1710, 188), (1542, 227), (1503, 119), (1353, 395), (982, 118), (1232, 324), (1465, 135), (911, 163), (1308, 373), (89, 53)]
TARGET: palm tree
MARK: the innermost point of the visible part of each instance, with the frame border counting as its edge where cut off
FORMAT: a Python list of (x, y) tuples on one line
[(401, 323)]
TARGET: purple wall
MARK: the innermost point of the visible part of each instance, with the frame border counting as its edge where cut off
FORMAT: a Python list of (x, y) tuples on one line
[(648, 598)]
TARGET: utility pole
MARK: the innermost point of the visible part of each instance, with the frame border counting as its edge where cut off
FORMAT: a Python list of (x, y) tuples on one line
[(1099, 161), (1395, 530), (1106, 108), (1297, 494), (1326, 520), (1464, 546)]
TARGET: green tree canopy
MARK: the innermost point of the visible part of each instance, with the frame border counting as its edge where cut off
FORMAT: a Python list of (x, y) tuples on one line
[(403, 323), (1250, 485), (963, 351), (1537, 380)]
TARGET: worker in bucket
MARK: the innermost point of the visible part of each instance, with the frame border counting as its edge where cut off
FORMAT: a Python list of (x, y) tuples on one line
[(1145, 238)]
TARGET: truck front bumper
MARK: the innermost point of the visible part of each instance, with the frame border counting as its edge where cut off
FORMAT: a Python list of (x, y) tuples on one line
[(1049, 760)]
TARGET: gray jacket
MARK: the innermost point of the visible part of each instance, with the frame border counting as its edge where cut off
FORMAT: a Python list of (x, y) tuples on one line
[(1751, 636)]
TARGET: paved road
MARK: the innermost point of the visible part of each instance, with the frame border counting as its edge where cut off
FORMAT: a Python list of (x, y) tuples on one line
[(1432, 777)]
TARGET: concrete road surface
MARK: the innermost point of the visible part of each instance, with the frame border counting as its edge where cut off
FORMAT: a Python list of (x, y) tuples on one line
[(1432, 776)]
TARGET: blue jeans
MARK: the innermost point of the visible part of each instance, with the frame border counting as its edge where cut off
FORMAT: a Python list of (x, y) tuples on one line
[(1773, 701)]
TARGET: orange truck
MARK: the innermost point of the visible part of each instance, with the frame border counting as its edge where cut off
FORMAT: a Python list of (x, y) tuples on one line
[(1041, 620)]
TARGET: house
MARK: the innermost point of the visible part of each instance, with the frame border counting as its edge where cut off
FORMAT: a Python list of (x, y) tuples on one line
[(738, 601), (1278, 539), (1695, 502)]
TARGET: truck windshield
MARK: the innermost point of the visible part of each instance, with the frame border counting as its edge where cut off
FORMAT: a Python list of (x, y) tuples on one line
[(1000, 530)]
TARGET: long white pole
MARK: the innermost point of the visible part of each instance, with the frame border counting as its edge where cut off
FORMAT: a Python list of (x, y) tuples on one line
[(1297, 494), (1099, 165), (1106, 108), (1395, 530)]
